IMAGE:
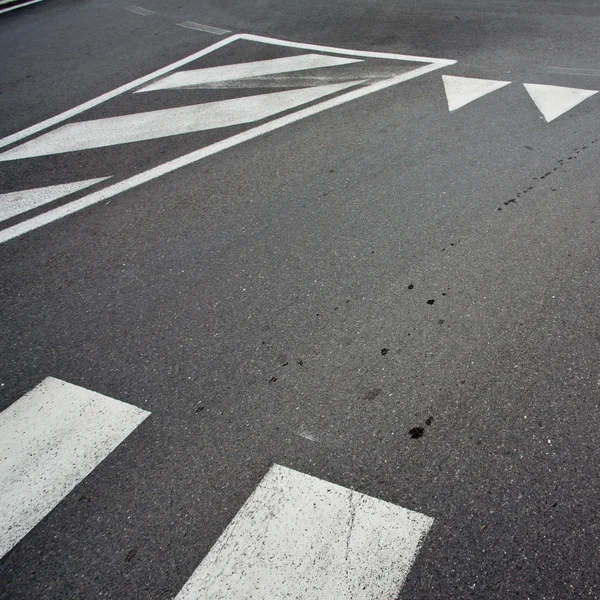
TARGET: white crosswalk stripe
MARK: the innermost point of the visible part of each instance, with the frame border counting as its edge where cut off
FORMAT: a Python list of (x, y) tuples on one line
[(51, 439)]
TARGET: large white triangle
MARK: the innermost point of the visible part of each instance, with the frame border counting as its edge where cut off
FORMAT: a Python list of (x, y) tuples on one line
[(552, 100), (462, 90)]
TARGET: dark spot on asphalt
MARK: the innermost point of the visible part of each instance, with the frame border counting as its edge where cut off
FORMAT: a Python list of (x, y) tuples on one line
[(199, 408), (300, 362), (443, 293), (528, 147), (416, 432), (273, 380), (411, 286), (131, 554), (384, 351), (499, 208), (452, 244), (462, 382), (430, 302), (372, 394), (440, 321), (336, 308), (429, 421), (285, 364)]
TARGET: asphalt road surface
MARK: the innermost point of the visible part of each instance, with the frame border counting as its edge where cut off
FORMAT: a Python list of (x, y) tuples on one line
[(296, 254)]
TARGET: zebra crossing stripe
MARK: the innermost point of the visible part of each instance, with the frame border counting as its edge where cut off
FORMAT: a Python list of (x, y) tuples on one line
[(303, 538), (50, 439)]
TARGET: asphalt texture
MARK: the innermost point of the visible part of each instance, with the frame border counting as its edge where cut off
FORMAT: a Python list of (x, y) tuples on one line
[(310, 297)]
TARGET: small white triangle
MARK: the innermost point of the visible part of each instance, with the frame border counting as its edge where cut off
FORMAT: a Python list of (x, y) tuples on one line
[(462, 90), (552, 100)]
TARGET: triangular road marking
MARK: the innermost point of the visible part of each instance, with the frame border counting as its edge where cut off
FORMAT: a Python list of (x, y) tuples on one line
[(462, 90), (553, 100), (258, 68), (137, 127), (15, 203)]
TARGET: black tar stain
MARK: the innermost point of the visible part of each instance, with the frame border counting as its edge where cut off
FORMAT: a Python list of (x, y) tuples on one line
[(416, 432), (430, 302), (384, 351)]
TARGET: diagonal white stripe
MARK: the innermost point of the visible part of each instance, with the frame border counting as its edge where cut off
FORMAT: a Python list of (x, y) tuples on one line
[(50, 439), (172, 121), (15, 203), (304, 538), (259, 68)]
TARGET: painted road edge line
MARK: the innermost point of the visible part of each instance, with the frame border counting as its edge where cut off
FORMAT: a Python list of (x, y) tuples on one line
[(15, 137), (298, 536), (50, 440), (187, 159)]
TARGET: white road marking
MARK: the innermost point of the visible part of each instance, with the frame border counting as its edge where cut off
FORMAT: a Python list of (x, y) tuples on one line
[(29, 131), (574, 71), (553, 101), (205, 28), (50, 439), (168, 122), (187, 79), (303, 538), (5, 10), (112, 190), (138, 10), (462, 90), (15, 203)]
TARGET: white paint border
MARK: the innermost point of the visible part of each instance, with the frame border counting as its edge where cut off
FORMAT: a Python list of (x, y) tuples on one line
[(196, 155), (5, 10)]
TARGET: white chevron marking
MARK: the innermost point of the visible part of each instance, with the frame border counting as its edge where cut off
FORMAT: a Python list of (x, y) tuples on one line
[(259, 68), (171, 121)]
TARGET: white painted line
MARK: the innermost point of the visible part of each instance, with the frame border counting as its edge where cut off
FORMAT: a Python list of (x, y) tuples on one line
[(15, 137), (50, 439), (553, 101), (168, 122), (574, 71), (205, 28), (462, 90), (5, 10), (303, 538), (15, 203), (138, 10), (196, 155), (186, 79)]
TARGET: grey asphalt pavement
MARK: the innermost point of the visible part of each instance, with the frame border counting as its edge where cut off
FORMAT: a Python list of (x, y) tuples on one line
[(310, 296)]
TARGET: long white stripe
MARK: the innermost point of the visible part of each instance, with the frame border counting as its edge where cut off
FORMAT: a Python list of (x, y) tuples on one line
[(170, 121), (363, 53), (15, 137), (257, 68), (5, 10), (15, 203), (51, 439), (196, 155), (303, 538), (138, 10)]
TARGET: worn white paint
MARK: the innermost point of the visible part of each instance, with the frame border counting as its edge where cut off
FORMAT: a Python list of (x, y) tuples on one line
[(258, 68), (138, 10), (50, 439), (170, 121), (15, 203), (29, 131), (112, 190), (5, 10), (205, 28), (553, 101), (302, 538), (462, 90)]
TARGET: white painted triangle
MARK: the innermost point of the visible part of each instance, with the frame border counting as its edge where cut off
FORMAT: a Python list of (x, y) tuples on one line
[(15, 203), (258, 68), (462, 90), (168, 122), (553, 100)]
